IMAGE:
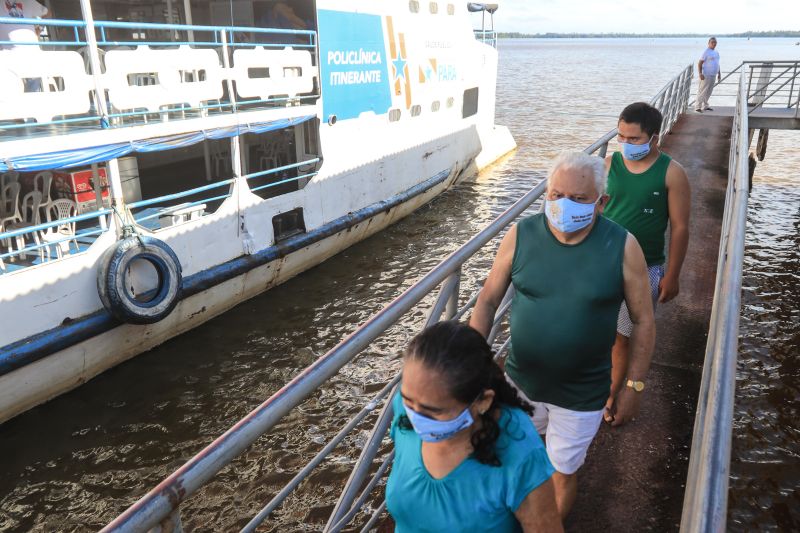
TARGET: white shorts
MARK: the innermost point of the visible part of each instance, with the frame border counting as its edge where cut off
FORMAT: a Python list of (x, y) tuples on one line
[(568, 433)]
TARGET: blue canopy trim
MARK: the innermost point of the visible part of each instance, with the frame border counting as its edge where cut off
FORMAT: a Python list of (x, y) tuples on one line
[(98, 154)]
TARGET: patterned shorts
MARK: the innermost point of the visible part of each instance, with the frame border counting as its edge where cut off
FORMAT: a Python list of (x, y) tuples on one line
[(624, 324)]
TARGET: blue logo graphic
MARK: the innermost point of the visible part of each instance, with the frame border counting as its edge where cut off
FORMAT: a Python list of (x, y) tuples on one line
[(355, 76)]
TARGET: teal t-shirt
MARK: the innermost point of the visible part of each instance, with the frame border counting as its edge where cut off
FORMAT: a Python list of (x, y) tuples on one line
[(474, 496)]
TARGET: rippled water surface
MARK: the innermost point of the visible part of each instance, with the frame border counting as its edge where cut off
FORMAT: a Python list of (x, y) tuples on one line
[(76, 462)]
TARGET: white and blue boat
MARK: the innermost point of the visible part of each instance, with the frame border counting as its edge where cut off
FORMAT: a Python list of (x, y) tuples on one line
[(164, 161)]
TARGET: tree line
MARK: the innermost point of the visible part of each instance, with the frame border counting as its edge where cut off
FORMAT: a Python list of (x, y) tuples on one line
[(553, 35)]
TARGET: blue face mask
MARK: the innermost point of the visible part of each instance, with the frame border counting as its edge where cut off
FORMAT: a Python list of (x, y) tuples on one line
[(431, 430), (568, 215), (635, 152)]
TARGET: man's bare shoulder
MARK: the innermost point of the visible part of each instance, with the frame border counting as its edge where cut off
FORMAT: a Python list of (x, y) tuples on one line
[(676, 174)]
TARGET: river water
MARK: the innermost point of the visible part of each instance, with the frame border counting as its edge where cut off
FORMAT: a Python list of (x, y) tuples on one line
[(76, 462)]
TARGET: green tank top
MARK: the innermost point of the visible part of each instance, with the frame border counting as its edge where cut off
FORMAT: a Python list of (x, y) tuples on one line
[(638, 203), (564, 313)]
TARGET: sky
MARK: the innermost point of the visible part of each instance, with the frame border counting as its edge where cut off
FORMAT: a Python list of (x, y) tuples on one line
[(647, 16)]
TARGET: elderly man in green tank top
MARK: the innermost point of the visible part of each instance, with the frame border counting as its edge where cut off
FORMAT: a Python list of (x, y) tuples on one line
[(647, 191), (571, 269)]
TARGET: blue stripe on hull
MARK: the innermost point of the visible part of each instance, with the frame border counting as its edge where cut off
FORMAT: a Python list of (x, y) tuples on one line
[(39, 346)]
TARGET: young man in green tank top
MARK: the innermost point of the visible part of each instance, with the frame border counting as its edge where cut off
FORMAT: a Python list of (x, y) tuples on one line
[(571, 269), (648, 191)]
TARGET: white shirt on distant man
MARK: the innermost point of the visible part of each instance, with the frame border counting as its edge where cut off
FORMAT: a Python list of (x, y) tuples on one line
[(708, 69), (20, 33)]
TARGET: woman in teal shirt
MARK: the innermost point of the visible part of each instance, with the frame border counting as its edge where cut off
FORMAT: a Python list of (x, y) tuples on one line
[(467, 456)]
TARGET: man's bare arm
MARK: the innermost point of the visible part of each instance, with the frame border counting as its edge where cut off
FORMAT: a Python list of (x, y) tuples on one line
[(700, 69), (679, 205), (640, 307), (496, 285)]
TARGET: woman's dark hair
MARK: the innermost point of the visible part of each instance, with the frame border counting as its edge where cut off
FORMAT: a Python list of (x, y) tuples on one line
[(462, 357), (646, 116)]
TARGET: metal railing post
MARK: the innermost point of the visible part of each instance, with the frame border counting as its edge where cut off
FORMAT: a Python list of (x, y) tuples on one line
[(505, 304), (94, 63), (452, 303), (363, 465)]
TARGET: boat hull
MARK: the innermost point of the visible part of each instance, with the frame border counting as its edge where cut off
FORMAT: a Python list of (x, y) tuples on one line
[(52, 375)]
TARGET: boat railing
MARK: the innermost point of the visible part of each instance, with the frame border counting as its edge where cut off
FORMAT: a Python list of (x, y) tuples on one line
[(706, 497), (152, 214), (304, 173), (487, 37), (46, 242), (148, 73), (774, 84), (161, 506)]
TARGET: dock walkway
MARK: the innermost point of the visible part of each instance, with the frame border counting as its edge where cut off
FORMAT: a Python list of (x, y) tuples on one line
[(634, 476)]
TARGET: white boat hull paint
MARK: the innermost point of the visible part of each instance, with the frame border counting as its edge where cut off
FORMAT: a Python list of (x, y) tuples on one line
[(58, 373)]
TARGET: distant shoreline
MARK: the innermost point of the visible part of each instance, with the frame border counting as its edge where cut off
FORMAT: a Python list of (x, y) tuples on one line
[(517, 35)]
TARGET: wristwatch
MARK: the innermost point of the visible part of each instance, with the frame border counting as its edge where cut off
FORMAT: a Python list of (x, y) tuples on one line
[(638, 386)]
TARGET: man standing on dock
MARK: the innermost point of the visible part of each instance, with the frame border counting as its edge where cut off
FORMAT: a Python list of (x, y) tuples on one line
[(708, 69), (647, 191), (571, 269)]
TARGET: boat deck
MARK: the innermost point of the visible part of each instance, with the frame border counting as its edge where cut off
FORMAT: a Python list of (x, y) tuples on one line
[(635, 475)]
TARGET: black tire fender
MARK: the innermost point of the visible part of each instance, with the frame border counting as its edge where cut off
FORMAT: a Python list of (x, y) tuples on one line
[(113, 287)]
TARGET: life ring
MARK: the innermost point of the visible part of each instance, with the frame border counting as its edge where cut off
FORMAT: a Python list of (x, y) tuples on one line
[(115, 291)]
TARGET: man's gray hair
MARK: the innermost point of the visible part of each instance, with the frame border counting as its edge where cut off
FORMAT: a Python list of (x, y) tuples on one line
[(582, 161)]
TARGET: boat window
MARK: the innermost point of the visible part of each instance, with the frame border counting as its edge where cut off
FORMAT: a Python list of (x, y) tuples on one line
[(416, 110), (171, 187), (413, 6), (450, 101), (66, 206), (434, 7), (282, 161), (451, 9), (435, 105), (394, 115), (470, 105)]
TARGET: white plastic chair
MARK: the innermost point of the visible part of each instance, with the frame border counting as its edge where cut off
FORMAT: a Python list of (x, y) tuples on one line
[(220, 158), (60, 209), (43, 182), (9, 203), (269, 156), (9, 177), (29, 209)]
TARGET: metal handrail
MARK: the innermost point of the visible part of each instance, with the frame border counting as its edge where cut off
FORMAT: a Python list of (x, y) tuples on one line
[(706, 497), (159, 503), (162, 504), (788, 75)]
